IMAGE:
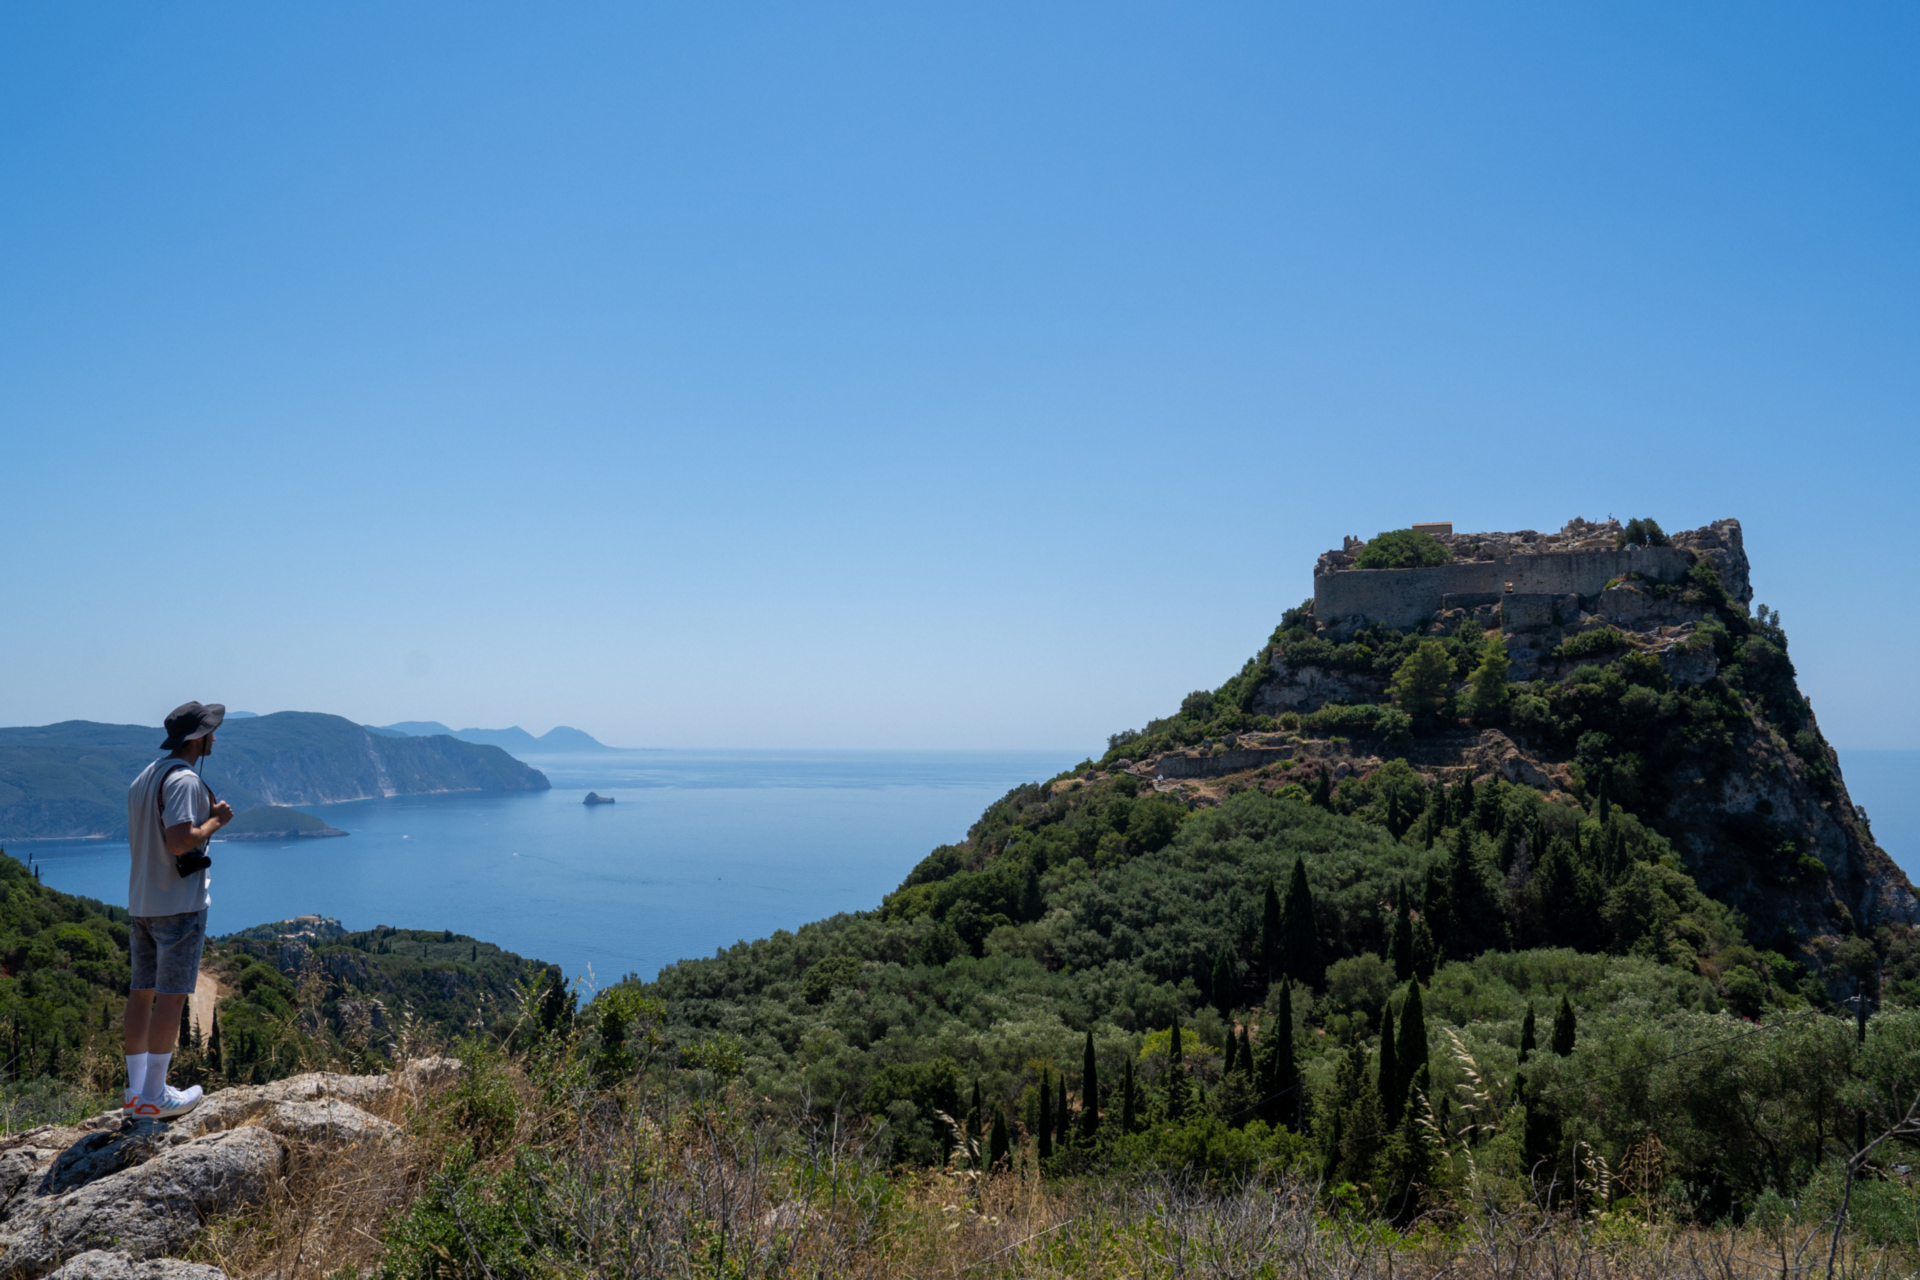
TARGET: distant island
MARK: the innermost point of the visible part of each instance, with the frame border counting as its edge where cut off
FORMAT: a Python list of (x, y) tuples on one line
[(275, 822), (596, 798), (69, 780), (559, 740)]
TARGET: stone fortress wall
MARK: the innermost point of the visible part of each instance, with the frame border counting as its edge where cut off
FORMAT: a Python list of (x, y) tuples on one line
[(1527, 573)]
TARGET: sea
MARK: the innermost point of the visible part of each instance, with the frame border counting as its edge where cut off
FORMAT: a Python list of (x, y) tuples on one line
[(700, 850)]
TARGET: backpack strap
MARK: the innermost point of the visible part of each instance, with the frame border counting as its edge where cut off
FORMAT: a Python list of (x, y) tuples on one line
[(160, 784)]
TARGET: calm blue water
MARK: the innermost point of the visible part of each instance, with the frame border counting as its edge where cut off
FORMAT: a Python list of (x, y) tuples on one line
[(701, 850)]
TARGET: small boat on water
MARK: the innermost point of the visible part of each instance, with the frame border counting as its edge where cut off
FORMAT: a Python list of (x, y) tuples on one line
[(596, 798)]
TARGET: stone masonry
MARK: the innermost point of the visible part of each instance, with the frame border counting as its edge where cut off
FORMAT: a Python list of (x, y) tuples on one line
[(1536, 580)]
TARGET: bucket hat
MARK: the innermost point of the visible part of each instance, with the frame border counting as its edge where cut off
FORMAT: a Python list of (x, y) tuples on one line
[(191, 720)]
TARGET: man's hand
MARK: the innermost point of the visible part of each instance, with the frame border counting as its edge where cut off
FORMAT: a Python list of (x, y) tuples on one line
[(183, 837)]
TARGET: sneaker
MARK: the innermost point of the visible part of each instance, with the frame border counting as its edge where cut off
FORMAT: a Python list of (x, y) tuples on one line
[(132, 1100), (172, 1103)]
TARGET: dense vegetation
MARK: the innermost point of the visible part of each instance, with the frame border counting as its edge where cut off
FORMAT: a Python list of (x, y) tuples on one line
[(1403, 549), (1398, 985), (291, 998), (270, 821), (63, 975)]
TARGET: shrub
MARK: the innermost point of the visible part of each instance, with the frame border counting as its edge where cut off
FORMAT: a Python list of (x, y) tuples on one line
[(1643, 531), (1420, 685), (1590, 644), (1363, 721), (1487, 689), (1403, 549)]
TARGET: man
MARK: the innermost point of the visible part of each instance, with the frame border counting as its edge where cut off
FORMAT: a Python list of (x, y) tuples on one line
[(171, 814)]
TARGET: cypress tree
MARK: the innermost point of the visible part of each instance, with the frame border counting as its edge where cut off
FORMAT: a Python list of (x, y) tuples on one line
[(999, 1142), (1299, 930), (1275, 1076), (1062, 1118), (1527, 1041), (213, 1043), (1463, 803), (1089, 1092), (1388, 1078), (1400, 946), (1474, 920), (1176, 1076), (1232, 1058), (1270, 935), (1044, 1128), (1605, 804), (1322, 796), (1225, 984), (975, 1116), (1031, 905), (186, 1027), (1129, 1107), (1433, 905), (1246, 1049), (1410, 1054), (1563, 1028), (1486, 808)]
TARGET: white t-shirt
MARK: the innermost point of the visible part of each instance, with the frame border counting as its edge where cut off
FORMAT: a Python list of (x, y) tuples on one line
[(155, 886)]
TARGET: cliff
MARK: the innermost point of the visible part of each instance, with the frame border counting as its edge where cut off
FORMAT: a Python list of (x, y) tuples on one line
[(69, 780), (1642, 675)]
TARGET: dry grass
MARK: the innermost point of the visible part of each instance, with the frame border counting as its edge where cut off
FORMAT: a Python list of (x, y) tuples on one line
[(635, 1186)]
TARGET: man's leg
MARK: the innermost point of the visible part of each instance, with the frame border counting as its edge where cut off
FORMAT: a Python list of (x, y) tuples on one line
[(165, 1028), (178, 942), (139, 1016)]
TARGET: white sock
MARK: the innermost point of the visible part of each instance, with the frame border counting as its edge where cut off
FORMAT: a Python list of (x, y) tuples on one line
[(136, 1072), (156, 1086)]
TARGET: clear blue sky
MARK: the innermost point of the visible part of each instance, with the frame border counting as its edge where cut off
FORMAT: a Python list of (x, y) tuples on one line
[(915, 375)]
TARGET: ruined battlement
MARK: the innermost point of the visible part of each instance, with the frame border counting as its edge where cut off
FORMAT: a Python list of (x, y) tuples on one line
[(1578, 561)]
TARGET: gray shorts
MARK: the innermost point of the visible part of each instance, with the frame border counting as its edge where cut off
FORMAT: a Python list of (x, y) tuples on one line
[(166, 951)]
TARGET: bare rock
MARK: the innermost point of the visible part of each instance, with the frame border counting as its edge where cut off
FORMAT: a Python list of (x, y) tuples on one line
[(326, 1124), (230, 1108), (146, 1211), (96, 1264), (1636, 610), (104, 1152)]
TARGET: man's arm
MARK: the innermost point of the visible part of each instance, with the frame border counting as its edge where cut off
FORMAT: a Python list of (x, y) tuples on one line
[(183, 837)]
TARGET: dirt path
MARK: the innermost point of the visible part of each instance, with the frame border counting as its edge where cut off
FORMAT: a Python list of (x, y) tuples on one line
[(200, 1003)]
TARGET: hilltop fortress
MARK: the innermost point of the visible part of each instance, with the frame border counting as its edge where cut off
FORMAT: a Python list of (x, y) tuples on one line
[(1533, 580)]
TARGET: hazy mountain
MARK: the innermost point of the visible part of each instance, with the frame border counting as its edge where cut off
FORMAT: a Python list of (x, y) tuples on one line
[(411, 729), (556, 741), (70, 779)]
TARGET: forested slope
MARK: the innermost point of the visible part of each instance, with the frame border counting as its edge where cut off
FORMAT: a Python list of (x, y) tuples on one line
[(1457, 919)]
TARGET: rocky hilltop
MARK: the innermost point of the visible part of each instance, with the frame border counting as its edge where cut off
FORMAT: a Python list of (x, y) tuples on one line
[(1656, 689)]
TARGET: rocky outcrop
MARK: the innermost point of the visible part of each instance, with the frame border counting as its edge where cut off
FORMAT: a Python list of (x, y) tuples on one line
[(111, 1197), (96, 1264), (152, 1209)]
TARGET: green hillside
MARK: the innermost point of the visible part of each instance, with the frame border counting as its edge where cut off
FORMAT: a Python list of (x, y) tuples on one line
[(296, 997), (63, 976), (70, 780), (1388, 963), (273, 821)]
